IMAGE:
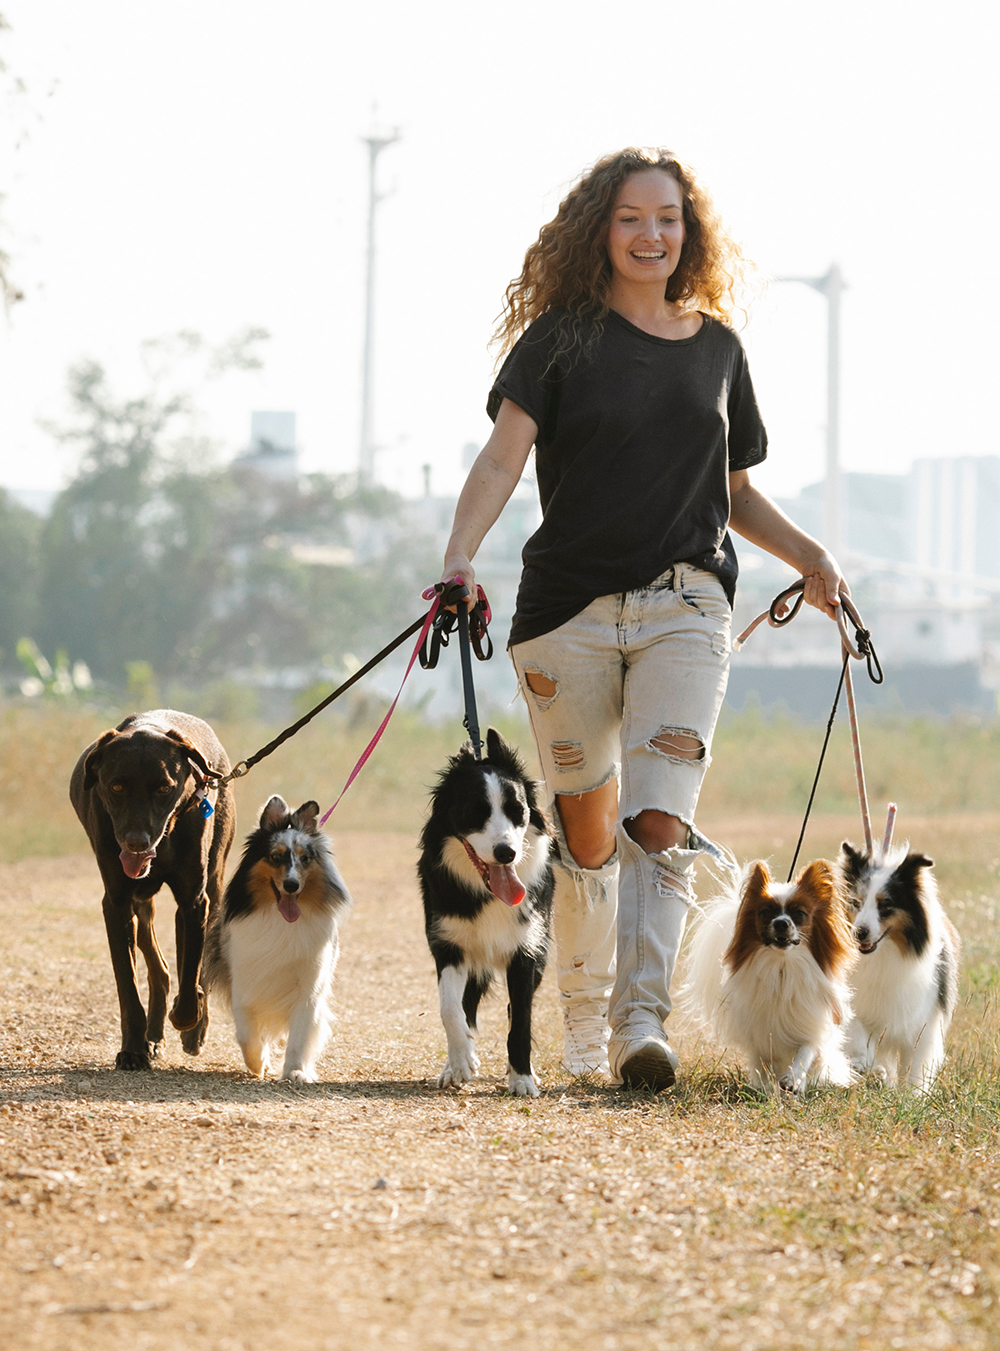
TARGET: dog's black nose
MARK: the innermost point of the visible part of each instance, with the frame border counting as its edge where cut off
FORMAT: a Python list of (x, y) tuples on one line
[(861, 933), (503, 853), (290, 885), (782, 924), (137, 841)]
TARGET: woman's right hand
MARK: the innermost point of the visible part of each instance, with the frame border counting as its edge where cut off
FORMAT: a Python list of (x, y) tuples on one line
[(458, 566)]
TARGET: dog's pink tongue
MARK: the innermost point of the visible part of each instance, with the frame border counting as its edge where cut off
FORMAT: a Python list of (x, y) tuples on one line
[(505, 883), (137, 865), (289, 907)]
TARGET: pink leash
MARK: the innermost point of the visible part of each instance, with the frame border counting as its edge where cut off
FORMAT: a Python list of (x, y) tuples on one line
[(428, 621)]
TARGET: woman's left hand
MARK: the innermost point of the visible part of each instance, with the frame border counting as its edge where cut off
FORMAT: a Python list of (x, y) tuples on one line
[(824, 585)]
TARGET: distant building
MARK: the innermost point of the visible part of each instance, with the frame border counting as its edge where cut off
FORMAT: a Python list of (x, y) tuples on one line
[(943, 515), (272, 451)]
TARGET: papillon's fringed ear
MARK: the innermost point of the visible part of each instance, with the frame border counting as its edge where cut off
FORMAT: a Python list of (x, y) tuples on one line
[(758, 881), (829, 934), (746, 938), (274, 814), (817, 879)]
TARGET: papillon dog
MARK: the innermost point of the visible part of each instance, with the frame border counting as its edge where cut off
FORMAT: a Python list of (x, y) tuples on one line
[(272, 951), (486, 879), (906, 984), (767, 972)]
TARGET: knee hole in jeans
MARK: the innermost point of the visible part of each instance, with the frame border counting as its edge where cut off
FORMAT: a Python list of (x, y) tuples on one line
[(678, 744), (542, 686)]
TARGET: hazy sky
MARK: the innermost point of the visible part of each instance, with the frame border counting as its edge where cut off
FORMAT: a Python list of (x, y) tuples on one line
[(198, 165)]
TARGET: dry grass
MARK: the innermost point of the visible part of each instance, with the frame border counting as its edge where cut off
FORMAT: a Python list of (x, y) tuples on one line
[(193, 1208), (760, 766)]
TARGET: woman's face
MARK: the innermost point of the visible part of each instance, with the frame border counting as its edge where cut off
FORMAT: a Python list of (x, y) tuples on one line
[(646, 234)]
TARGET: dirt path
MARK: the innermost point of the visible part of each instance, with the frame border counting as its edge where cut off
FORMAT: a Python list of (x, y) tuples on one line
[(192, 1207)]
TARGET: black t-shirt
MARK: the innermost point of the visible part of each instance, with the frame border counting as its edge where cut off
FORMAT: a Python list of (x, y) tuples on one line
[(635, 443)]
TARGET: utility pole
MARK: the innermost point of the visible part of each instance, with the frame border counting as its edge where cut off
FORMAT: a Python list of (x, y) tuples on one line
[(832, 286), (366, 452)]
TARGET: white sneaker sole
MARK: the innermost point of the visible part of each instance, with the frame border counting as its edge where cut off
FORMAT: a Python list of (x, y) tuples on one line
[(649, 1067)]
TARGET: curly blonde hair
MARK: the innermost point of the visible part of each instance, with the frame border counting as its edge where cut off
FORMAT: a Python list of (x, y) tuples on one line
[(568, 268)]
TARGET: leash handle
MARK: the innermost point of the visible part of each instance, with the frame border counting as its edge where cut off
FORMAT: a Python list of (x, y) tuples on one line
[(454, 592), (860, 645)]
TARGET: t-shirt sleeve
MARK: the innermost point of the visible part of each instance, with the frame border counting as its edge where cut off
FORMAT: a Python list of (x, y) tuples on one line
[(528, 377), (747, 437)]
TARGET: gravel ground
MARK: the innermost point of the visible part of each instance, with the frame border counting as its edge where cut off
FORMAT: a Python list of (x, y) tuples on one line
[(193, 1207)]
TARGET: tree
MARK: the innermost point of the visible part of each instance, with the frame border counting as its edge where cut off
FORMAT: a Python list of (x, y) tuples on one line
[(156, 554), (20, 532)]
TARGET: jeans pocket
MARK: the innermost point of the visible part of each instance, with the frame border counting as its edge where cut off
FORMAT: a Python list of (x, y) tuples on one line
[(705, 596)]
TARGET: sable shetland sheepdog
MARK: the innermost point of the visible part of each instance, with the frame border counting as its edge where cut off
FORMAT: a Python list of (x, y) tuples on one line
[(272, 952), (906, 983), (487, 886), (767, 971)]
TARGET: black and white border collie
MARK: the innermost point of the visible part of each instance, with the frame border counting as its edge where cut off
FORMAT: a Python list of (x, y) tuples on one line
[(906, 983), (271, 953), (486, 879)]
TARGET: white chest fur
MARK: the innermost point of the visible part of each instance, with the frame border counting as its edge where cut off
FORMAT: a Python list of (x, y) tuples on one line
[(277, 963)]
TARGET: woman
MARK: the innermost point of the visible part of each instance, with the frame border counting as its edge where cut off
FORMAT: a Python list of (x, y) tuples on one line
[(636, 396)]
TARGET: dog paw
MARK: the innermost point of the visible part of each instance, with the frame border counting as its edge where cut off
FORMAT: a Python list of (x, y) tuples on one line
[(460, 1069), (298, 1076), (132, 1060), (522, 1085), (188, 1011), (193, 1038), (154, 1048), (792, 1083)]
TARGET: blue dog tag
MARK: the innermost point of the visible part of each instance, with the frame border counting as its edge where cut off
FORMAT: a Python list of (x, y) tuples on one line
[(206, 808)]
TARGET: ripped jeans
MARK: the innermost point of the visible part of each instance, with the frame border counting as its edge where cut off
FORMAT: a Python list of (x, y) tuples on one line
[(631, 672)]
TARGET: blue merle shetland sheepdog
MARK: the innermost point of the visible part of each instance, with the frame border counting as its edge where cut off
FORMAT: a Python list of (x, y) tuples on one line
[(272, 950), (487, 882), (906, 982)]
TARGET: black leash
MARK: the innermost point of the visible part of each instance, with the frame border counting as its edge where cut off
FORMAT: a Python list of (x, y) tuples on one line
[(471, 719), (819, 767), (245, 766), (861, 648), (474, 630)]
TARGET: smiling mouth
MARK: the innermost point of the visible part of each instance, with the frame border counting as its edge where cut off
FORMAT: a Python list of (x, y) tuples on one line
[(648, 257)]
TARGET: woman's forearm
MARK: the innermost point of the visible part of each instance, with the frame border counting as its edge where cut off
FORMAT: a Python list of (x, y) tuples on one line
[(754, 516)]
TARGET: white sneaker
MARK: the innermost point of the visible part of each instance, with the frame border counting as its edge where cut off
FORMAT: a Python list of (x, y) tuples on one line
[(645, 1061), (586, 1033)]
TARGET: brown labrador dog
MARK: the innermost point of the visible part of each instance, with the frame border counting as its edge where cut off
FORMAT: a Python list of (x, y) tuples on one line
[(138, 791)]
